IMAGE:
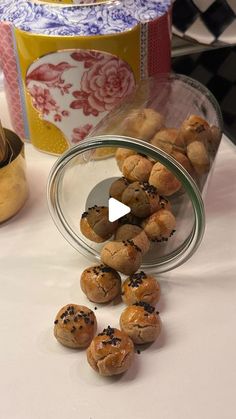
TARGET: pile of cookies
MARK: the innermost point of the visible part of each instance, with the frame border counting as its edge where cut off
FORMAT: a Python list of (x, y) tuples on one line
[(146, 187), (111, 352), (193, 145)]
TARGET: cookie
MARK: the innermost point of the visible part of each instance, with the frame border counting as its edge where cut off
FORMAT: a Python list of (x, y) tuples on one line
[(167, 140), (194, 128), (142, 198), (142, 123), (122, 154), (199, 157), (95, 225), (124, 257), (137, 168), (75, 326), (140, 287), (117, 188), (141, 323), (135, 233), (100, 283), (164, 180), (160, 225), (111, 352)]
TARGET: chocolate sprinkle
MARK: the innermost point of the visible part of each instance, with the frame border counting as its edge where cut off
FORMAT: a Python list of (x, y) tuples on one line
[(131, 243), (136, 279), (70, 314), (97, 270), (147, 307), (112, 341), (150, 189), (109, 331), (105, 268)]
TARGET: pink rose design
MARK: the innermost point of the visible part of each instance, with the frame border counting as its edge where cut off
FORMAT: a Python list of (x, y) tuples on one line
[(87, 57), (81, 102), (81, 132), (103, 86), (42, 100)]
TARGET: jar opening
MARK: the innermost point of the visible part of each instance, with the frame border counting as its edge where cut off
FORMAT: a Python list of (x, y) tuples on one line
[(79, 171)]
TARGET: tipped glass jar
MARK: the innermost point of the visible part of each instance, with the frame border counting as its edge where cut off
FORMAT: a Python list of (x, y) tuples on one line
[(155, 154)]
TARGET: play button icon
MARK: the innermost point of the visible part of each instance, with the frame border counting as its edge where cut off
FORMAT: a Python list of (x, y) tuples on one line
[(116, 209)]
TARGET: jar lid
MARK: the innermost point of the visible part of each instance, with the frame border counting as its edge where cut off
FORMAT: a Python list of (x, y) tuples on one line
[(90, 18), (81, 179)]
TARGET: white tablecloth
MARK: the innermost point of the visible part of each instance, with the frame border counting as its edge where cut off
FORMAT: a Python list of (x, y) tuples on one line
[(189, 373)]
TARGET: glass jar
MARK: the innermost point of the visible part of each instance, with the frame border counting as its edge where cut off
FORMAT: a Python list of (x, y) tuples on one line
[(173, 125)]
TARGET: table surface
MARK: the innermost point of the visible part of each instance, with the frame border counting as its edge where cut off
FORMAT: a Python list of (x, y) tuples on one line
[(190, 372)]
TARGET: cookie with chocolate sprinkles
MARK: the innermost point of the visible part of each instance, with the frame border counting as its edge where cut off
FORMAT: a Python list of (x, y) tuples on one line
[(142, 198), (100, 283), (75, 326), (140, 287), (124, 256), (141, 323), (135, 233), (160, 226), (95, 225), (111, 352)]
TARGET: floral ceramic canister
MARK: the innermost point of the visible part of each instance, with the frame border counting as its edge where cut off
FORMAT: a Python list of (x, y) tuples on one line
[(68, 63)]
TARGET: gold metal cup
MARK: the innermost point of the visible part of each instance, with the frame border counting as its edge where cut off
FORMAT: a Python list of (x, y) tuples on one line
[(13, 183)]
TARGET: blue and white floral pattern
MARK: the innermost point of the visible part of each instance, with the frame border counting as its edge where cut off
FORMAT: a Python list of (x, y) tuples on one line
[(96, 19)]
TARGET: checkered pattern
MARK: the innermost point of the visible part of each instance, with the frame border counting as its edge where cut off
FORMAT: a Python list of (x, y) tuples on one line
[(206, 21), (216, 69)]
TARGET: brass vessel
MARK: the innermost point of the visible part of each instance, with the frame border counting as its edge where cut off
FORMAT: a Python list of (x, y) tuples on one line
[(13, 182)]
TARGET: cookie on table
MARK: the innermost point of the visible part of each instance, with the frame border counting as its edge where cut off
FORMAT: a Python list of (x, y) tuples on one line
[(140, 287), (137, 168), (124, 257), (141, 323), (95, 225), (111, 352), (160, 225), (117, 188), (75, 326), (135, 233), (100, 283), (142, 198)]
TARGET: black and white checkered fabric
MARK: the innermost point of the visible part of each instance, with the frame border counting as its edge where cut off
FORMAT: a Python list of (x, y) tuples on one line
[(205, 21), (216, 69)]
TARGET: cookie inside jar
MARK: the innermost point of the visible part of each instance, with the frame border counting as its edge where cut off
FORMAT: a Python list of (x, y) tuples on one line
[(165, 139)]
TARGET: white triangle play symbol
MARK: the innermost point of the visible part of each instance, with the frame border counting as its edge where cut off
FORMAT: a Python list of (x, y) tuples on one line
[(116, 209)]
